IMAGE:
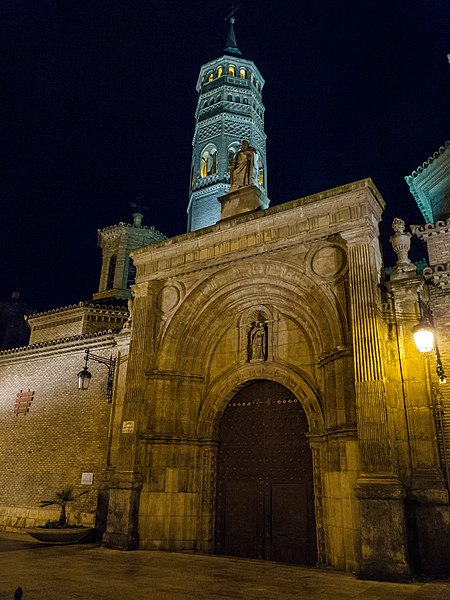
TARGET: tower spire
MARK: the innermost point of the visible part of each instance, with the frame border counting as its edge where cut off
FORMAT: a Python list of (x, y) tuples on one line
[(231, 45)]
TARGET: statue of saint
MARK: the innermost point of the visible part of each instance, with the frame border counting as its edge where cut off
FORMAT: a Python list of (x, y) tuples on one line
[(241, 167), (257, 341)]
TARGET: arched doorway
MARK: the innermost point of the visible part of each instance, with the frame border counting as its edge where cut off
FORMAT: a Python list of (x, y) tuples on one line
[(265, 498)]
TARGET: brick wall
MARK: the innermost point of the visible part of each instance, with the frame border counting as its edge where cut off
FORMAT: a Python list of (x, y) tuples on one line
[(63, 435)]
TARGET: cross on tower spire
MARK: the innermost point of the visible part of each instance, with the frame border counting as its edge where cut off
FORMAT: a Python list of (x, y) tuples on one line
[(231, 44)]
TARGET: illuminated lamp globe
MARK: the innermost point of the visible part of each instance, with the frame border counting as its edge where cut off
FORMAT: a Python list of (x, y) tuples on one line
[(84, 377), (424, 337)]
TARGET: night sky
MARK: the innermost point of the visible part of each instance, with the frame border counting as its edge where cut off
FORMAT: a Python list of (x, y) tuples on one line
[(98, 100)]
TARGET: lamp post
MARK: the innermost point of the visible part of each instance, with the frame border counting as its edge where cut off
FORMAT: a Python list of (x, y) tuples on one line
[(424, 337), (85, 376)]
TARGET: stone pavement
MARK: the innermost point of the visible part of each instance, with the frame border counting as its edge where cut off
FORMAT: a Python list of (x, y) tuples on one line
[(88, 571)]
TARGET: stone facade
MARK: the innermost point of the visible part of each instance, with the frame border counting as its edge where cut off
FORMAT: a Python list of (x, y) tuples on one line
[(308, 276), (294, 297), (311, 270)]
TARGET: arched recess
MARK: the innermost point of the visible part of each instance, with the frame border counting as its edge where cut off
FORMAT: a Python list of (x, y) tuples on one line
[(189, 338), (221, 391)]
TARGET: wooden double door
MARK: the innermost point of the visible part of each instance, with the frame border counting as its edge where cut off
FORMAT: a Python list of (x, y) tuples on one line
[(265, 501)]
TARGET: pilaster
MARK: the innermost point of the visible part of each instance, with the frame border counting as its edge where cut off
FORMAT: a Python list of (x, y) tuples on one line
[(383, 540), (126, 480)]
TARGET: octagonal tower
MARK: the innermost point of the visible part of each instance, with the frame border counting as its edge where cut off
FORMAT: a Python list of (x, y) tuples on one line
[(229, 110)]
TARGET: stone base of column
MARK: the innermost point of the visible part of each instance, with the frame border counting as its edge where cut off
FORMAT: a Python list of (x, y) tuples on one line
[(242, 201), (428, 517), (384, 555), (122, 526)]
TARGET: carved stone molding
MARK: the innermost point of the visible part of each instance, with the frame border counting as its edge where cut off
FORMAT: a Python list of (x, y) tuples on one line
[(439, 275)]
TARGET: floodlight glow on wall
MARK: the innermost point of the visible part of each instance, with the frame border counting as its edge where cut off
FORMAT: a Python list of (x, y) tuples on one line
[(424, 337), (85, 376)]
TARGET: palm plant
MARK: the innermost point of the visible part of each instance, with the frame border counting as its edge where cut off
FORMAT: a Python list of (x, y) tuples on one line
[(62, 499)]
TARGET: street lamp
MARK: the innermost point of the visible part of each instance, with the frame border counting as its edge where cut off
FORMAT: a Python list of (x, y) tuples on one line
[(84, 376), (424, 335)]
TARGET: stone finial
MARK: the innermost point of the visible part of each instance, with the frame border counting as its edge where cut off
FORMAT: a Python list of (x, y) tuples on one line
[(401, 243)]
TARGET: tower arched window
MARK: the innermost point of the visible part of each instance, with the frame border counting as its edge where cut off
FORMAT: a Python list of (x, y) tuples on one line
[(208, 161), (210, 76), (111, 272), (219, 71), (261, 175), (232, 150), (131, 277), (230, 97), (231, 70), (237, 99), (242, 73)]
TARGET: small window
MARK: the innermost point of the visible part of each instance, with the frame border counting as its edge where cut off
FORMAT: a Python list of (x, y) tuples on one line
[(245, 101), (131, 278), (261, 176), (237, 99), (242, 73), (230, 98), (210, 76), (208, 161), (231, 70), (111, 272), (219, 71), (252, 78)]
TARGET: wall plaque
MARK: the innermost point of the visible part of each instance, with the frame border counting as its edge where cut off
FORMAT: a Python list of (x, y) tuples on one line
[(128, 427), (87, 478)]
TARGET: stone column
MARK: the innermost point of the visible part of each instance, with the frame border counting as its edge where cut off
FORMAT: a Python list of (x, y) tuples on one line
[(381, 495)]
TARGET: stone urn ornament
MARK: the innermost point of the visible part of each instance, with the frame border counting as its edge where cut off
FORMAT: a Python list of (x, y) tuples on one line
[(401, 243)]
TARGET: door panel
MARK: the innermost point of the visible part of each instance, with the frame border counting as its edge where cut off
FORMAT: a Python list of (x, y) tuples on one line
[(265, 505), (241, 535)]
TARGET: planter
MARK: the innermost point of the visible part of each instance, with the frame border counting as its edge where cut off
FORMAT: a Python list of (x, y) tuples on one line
[(71, 535)]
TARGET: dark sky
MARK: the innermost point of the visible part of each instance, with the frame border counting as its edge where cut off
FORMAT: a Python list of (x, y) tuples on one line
[(98, 98)]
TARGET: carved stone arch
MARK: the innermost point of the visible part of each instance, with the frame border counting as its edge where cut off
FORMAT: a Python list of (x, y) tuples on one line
[(225, 388), (210, 308)]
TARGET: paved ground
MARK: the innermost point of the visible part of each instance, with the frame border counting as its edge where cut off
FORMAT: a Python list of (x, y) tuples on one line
[(88, 571)]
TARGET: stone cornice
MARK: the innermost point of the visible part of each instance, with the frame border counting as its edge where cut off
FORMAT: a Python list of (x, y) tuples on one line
[(430, 229), (429, 161), (123, 225), (439, 275), (86, 306), (353, 206), (100, 338)]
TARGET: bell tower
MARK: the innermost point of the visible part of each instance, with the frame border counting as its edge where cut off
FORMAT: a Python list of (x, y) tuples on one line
[(229, 110)]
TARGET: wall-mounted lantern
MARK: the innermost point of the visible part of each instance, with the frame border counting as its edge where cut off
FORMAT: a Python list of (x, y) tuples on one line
[(424, 337), (85, 376)]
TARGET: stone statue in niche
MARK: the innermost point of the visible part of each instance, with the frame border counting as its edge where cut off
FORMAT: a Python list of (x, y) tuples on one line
[(401, 243), (241, 167), (257, 342)]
